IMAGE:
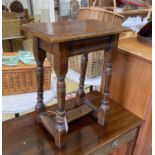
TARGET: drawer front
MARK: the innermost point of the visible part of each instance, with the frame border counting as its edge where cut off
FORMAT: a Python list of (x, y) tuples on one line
[(115, 144)]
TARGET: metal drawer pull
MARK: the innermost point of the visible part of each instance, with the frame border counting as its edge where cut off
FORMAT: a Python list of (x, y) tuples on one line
[(115, 144)]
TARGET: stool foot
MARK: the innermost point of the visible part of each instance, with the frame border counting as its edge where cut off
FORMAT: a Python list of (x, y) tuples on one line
[(17, 115), (102, 114), (91, 88)]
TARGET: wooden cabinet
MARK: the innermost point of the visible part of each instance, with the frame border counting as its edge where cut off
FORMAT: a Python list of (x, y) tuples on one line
[(131, 86), (115, 147), (85, 137), (121, 135)]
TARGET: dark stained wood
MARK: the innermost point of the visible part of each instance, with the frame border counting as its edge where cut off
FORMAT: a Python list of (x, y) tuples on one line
[(46, 46), (68, 30), (40, 56), (92, 106), (66, 39), (89, 45), (77, 113), (124, 149), (80, 93), (48, 123), (24, 136), (107, 73), (60, 68), (80, 46), (120, 145)]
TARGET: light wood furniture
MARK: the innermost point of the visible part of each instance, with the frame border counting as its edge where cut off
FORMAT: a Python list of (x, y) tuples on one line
[(63, 40), (12, 36), (131, 86), (24, 136), (112, 4)]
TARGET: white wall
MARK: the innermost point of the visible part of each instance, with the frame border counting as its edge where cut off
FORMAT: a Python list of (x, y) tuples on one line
[(65, 6), (42, 9), (8, 2)]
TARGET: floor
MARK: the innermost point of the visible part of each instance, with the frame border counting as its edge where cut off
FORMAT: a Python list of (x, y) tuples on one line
[(71, 88)]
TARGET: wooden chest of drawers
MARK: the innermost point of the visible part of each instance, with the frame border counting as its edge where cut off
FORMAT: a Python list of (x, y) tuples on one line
[(23, 136), (116, 144)]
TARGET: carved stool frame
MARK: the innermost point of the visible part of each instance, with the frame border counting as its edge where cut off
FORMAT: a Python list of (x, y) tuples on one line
[(58, 124)]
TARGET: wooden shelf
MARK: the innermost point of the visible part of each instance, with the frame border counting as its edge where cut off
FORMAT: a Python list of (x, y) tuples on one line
[(9, 38)]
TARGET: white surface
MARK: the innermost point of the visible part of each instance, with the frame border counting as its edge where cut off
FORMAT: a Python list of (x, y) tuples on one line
[(51, 10), (74, 76), (20, 103), (135, 23)]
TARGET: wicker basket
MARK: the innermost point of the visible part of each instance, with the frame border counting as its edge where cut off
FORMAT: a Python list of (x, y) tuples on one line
[(95, 59), (22, 78), (6, 15), (12, 27), (94, 66), (106, 4)]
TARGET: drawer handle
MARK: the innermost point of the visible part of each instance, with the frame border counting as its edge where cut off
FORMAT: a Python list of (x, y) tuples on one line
[(115, 144)]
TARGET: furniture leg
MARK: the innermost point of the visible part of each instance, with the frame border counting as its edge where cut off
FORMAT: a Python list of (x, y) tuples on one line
[(16, 115), (107, 73), (60, 67), (105, 100), (80, 93), (40, 56), (11, 45), (91, 88)]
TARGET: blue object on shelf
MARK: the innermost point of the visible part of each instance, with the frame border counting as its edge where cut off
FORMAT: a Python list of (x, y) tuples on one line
[(24, 56)]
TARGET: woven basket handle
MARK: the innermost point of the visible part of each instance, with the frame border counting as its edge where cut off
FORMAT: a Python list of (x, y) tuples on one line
[(149, 13), (94, 3), (114, 3)]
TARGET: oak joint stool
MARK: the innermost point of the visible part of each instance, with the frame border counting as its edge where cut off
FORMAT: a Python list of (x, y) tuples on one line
[(63, 40)]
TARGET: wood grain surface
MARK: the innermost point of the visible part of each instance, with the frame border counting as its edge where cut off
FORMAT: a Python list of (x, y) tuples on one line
[(132, 46), (131, 86), (22, 136), (64, 39), (72, 30)]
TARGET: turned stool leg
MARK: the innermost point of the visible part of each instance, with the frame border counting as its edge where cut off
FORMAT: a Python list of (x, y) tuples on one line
[(80, 93), (103, 111), (60, 67), (40, 56), (105, 100)]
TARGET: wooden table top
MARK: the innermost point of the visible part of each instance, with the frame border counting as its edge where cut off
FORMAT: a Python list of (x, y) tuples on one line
[(132, 46), (71, 30), (22, 136)]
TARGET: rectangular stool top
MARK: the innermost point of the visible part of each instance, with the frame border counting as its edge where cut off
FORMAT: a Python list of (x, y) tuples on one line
[(65, 31)]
